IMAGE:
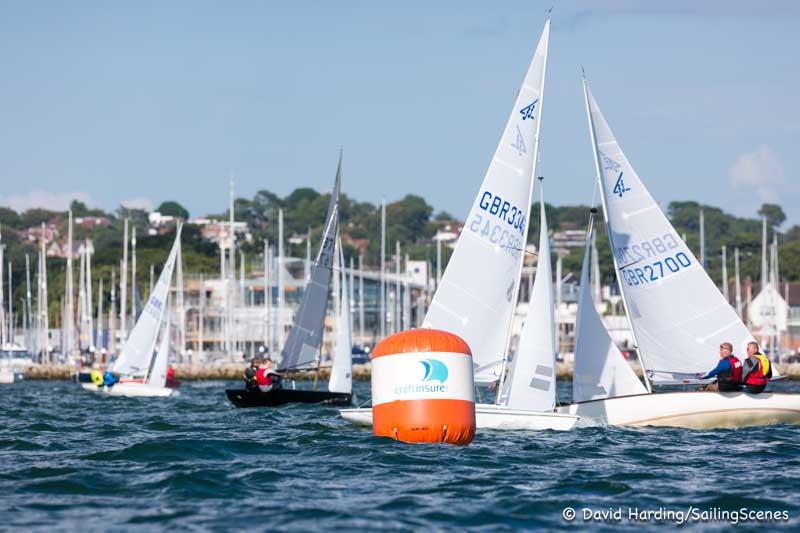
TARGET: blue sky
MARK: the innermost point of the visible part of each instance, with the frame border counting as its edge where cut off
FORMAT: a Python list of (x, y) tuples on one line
[(144, 101)]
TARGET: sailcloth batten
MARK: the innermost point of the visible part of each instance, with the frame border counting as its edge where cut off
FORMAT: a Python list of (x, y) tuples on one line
[(137, 354), (531, 377), (305, 338), (600, 371), (678, 315), (477, 293)]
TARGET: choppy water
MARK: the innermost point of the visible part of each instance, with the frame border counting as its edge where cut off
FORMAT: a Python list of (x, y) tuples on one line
[(75, 460)]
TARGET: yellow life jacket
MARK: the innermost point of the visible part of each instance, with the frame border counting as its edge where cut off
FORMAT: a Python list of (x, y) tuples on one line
[(764, 364)]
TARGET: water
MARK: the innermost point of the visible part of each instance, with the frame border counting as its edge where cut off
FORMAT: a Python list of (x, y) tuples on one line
[(76, 460)]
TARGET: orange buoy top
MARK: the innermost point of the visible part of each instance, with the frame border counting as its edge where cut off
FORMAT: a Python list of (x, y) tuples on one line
[(422, 387)]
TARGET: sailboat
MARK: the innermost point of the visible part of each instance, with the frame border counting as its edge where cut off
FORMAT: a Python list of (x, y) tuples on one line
[(143, 368), (302, 348), (677, 315), (478, 292)]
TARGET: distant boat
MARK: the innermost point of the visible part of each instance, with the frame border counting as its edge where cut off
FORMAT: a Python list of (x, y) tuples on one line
[(302, 348), (142, 369), (677, 315)]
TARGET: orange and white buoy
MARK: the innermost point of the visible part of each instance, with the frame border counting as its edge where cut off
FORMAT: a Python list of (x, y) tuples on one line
[(422, 388)]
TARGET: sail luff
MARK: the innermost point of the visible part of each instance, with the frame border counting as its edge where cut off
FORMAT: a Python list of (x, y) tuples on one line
[(305, 338), (598, 173)]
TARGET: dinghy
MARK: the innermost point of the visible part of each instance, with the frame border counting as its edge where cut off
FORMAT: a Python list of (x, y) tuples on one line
[(478, 292), (302, 348), (677, 315), (142, 368)]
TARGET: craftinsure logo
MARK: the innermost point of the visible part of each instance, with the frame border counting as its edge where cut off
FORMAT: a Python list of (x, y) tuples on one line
[(434, 375)]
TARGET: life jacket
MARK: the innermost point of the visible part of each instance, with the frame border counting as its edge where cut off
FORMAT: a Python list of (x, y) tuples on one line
[(766, 368), (734, 375), (756, 377), (263, 377)]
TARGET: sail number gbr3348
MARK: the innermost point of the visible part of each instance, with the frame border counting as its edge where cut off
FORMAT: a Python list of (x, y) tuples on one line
[(500, 222)]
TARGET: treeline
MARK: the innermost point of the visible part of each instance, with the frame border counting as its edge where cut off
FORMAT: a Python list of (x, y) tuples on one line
[(410, 221)]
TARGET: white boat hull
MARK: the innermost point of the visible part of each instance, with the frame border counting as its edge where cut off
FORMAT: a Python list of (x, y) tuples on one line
[(130, 390), (693, 410), (490, 416)]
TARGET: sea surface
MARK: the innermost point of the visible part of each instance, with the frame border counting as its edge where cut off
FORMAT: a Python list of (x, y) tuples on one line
[(72, 460)]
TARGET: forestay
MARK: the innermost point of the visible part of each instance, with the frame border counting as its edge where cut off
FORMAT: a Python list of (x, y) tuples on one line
[(341, 371), (531, 381), (305, 338), (678, 315), (478, 291), (137, 353), (599, 371)]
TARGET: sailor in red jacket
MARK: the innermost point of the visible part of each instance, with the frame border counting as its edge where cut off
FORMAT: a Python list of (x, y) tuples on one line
[(728, 371), (756, 371)]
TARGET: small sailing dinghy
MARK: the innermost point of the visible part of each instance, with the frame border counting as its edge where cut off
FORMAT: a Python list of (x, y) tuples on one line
[(302, 348), (478, 292), (142, 369), (677, 315)]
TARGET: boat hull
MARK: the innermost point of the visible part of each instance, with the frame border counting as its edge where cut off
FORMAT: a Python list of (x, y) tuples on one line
[(276, 397), (490, 416), (692, 410), (130, 390)]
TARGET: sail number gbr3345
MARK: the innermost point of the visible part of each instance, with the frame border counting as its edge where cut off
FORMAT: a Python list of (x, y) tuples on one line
[(500, 222)]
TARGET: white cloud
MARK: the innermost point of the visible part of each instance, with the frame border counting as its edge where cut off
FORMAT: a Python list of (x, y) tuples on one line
[(54, 201), (138, 203), (760, 169)]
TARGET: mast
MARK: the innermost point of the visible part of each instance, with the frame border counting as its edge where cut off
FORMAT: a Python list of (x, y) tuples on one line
[(123, 285), (383, 269), (725, 292), (179, 300), (28, 308), (69, 341), (361, 298), (89, 304), (10, 307), (738, 282), (279, 326), (133, 277), (397, 323), (43, 321), (352, 294), (201, 320), (703, 239), (764, 274), (98, 343), (598, 178), (112, 315)]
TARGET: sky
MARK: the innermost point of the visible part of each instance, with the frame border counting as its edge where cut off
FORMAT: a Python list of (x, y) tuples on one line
[(139, 102)]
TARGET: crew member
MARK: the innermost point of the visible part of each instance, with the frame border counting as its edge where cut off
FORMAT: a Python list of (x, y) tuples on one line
[(109, 379), (728, 371), (250, 374), (756, 369), (267, 378)]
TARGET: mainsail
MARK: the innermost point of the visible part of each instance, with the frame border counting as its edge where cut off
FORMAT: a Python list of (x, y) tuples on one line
[(138, 350), (305, 338), (531, 381), (342, 369), (678, 315), (600, 371), (478, 292)]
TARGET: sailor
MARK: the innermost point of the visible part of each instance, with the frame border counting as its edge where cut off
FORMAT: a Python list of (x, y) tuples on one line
[(267, 378), (109, 379), (250, 374), (757, 369), (728, 371)]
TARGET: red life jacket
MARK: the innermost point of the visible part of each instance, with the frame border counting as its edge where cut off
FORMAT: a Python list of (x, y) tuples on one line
[(756, 377), (263, 377), (735, 373)]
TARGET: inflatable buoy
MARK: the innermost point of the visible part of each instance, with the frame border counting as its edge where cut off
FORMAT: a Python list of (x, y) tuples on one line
[(97, 377), (422, 388)]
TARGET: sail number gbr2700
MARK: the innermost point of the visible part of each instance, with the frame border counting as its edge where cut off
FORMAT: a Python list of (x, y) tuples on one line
[(501, 223), (653, 272)]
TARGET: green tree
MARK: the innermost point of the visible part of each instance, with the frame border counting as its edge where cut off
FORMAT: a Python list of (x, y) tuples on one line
[(774, 213), (173, 209)]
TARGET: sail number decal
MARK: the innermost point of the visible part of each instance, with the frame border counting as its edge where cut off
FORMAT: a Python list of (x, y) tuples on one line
[(648, 249), (504, 210), (653, 272), (494, 232), (501, 223)]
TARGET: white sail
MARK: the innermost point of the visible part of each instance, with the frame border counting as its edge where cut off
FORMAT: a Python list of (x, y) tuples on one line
[(678, 315), (600, 371), (342, 369), (138, 350), (531, 381), (158, 373), (478, 290)]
